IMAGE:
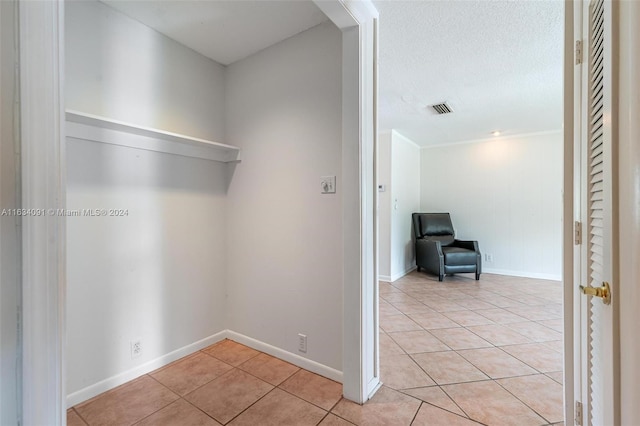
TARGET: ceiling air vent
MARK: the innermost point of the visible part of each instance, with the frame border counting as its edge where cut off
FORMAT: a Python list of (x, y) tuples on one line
[(442, 108)]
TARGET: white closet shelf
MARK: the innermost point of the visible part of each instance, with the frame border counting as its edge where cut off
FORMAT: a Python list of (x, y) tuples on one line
[(105, 130)]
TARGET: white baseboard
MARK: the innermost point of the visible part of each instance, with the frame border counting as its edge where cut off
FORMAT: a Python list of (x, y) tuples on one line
[(119, 379), (392, 278), (537, 275), (295, 359), (402, 274)]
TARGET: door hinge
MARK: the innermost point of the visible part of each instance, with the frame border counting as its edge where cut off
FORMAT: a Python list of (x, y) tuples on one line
[(577, 233), (578, 418), (578, 52)]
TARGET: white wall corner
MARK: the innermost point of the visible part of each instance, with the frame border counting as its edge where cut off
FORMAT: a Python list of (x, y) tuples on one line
[(399, 275), (406, 139), (295, 359)]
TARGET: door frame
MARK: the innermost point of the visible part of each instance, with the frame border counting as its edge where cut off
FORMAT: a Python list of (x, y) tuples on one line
[(41, 50), (571, 252), (628, 202), (43, 163), (626, 96), (360, 362)]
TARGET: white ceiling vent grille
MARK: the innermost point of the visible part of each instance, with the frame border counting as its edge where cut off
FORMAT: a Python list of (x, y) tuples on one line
[(442, 108)]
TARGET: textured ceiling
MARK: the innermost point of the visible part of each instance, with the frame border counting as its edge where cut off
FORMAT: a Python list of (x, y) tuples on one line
[(497, 63), (225, 31)]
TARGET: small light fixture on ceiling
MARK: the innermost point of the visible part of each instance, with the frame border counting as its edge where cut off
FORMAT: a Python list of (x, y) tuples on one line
[(496, 133)]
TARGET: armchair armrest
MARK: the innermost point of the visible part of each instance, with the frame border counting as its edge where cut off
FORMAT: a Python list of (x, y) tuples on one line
[(469, 245), (429, 255)]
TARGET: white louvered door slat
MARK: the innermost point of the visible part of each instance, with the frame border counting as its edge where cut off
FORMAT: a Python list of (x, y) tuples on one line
[(597, 143)]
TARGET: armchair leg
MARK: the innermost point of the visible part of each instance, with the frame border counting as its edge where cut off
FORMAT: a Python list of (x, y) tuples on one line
[(477, 276), (418, 269), (440, 277)]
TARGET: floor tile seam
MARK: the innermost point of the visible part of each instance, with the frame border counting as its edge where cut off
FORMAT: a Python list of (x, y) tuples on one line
[(248, 407), (525, 404), (417, 302), (550, 328), (500, 323), (173, 402), (494, 345), (306, 400), (230, 340), (403, 331), (485, 379), (455, 414), (235, 366), (407, 353), (174, 363), (78, 414), (432, 352), (459, 406), (213, 380), (276, 385), (323, 417), (164, 406), (413, 419), (339, 416), (423, 370), (560, 383), (437, 406), (521, 360), (495, 381), (209, 355), (198, 387), (470, 332)]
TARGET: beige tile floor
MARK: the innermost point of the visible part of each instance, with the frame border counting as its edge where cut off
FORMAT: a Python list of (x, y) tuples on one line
[(459, 352)]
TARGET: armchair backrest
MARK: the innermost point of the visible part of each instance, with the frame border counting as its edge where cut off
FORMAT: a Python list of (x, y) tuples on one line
[(434, 226)]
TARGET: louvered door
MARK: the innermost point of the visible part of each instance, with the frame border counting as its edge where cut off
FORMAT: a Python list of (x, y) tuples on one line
[(598, 161)]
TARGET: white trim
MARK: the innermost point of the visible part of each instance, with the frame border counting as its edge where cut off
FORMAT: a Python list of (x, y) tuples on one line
[(121, 378), (397, 276), (126, 376), (295, 359), (41, 46), (525, 274), (575, 388), (628, 202), (357, 21), (498, 138), (94, 128)]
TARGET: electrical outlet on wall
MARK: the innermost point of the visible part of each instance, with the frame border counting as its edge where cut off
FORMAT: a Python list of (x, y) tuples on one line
[(302, 343), (136, 348), (488, 257)]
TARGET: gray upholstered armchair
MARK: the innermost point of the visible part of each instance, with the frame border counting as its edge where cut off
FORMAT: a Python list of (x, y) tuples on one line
[(437, 250)]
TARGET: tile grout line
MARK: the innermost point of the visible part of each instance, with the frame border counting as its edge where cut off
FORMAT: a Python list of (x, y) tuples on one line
[(525, 404), (537, 372)]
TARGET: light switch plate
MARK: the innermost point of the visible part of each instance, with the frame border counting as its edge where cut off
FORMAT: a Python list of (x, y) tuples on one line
[(328, 184)]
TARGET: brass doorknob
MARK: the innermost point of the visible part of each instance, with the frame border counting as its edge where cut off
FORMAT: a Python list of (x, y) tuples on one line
[(604, 292)]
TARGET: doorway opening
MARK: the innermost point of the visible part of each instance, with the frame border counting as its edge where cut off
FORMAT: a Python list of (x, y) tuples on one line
[(502, 336)]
